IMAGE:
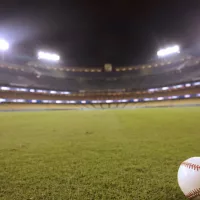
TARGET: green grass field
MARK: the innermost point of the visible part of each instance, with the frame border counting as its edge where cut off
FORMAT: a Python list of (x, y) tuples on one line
[(87, 155)]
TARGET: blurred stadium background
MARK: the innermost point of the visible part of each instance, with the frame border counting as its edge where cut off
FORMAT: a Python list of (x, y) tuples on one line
[(169, 81)]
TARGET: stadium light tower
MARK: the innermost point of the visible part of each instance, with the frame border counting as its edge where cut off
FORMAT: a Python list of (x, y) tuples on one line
[(168, 51), (4, 46), (48, 56)]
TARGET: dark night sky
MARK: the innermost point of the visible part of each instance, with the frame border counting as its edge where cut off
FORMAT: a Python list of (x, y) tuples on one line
[(93, 32)]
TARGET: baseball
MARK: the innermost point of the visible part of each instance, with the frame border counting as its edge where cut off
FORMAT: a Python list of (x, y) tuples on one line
[(189, 178)]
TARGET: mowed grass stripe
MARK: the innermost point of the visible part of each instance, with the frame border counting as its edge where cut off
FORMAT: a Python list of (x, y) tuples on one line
[(108, 154)]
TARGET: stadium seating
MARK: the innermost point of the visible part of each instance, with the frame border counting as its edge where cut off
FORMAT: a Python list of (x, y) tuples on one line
[(95, 89), (97, 96), (140, 78)]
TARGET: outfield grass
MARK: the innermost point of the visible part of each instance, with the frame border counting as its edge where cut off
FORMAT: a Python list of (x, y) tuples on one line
[(87, 155)]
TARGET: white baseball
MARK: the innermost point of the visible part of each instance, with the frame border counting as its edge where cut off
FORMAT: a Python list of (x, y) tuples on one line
[(189, 178)]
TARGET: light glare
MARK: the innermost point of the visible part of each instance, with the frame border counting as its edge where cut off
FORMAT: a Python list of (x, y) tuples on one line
[(168, 51), (4, 46), (109, 101), (160, 98), (2, 100), (48, 56), (187, 96), (5, 88)]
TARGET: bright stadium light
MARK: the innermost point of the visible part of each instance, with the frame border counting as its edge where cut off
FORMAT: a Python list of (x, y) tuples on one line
[(168, 51), (4, 45), (48, 56)]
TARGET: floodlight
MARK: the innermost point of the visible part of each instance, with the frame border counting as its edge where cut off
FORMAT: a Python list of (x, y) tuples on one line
[(48, 56), (168, 51), (4, 45)]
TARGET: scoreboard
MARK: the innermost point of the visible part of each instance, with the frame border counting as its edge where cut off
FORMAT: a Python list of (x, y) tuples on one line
[(108, 67)]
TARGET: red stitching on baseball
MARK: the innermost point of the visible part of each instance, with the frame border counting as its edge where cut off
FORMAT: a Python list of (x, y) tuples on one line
[(194, 193), (191, 166)]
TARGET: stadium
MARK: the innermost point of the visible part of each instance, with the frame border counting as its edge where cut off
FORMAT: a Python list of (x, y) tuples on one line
[(100, 133), (167, 82)]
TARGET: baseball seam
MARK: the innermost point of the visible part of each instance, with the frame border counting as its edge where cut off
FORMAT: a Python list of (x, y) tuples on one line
[(191, 166), (194, 193)]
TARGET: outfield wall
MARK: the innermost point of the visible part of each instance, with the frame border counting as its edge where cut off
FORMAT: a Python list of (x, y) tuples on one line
[(38, 107), (169, 103)]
